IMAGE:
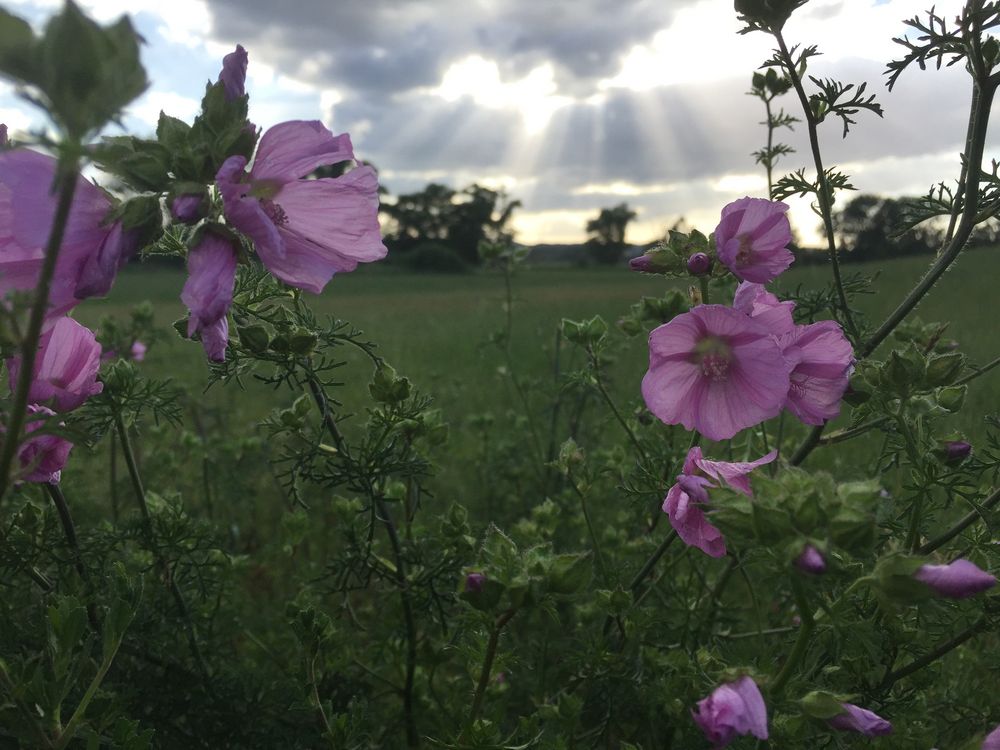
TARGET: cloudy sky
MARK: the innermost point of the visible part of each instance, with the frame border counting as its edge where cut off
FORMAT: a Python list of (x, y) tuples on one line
[(570, 105)]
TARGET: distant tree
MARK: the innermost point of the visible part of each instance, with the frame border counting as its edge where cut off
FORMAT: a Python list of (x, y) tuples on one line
[(866, 227), (455, 219), (607, 233)]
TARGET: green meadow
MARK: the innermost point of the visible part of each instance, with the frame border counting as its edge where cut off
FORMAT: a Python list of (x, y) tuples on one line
[(436, 330)]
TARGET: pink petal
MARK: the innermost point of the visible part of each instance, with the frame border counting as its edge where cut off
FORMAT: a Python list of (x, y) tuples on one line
[(735, 474), (690, 523), (294, 149), (245, 213)]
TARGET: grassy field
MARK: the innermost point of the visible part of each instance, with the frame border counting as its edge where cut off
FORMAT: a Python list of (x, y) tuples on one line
[(436, 329)]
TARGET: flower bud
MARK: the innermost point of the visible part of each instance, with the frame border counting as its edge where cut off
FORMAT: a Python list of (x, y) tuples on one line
[(956, 580), (188, 208), (641, 263), (861, 720), (699, 264), (811, 561), (955, 451), (474, 582)]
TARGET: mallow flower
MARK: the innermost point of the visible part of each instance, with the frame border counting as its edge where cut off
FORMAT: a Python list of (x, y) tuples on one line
[(208, 292), (91, 252), (735, 708), (715, 370), (685, 500), (820, 355), (811, 561), (992, 740), (861, 720), (752, 239), (42, 457), (956, 580), (66, 366), (304, 230)]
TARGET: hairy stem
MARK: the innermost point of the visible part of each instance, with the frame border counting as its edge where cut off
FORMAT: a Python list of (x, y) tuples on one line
[(801, 643), (484, 674), (69, 530), (931, 656), (823, 194), (147, 526), (965, 522)]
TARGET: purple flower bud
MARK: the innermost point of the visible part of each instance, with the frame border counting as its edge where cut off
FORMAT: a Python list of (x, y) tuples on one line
[(736, 708), (992, 741), (188, 209), (138, 351), (208, 292), (956, 451), (956, 580), (861, 720), (474, 582), (811, 561), (233, 75), (699, 264), (641, 263)]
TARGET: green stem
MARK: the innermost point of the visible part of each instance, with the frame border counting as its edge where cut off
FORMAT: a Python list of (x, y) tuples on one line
[(598, 556), (484, 674), (930, 657), (801, 643), (67, 172), (966, 521), (30, 717), (69, 530), (69, 732), (823, 192), (147, 525)]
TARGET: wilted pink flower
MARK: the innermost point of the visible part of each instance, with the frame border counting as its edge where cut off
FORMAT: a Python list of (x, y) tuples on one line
[(303, 230), (208, 291), (811, 561), (65, 367), (716, 371), (857, 719), (753, 237), (754, 300), (956, 580), (736, 708), (233, 75), (684, 501), (821, 358), (90, 254), (992, 741), (44, 456), (699, 264)]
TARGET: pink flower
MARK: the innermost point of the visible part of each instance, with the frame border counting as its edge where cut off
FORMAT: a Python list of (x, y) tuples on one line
[(956, 580), (861, 720), (683, 500), (233, 75), (716, 371), (992, 740), (208, 292), (754, 300), (811, 561), (752, 239), (303, 230), (91, 253), (736, 708), (44, 456), (821, 358), (65, 367), (138, 351)]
